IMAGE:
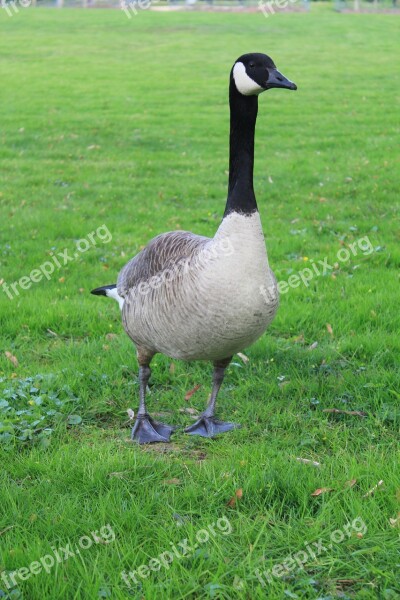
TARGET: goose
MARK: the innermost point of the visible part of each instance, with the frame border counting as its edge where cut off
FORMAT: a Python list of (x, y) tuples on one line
[(192, 297)]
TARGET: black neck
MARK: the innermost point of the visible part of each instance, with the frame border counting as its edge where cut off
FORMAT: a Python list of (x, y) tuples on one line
[(244, 109)]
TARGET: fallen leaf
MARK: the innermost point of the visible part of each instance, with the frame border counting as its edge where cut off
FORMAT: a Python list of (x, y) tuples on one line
[(190, 393), (320, 491), (347, 582), (244, 358), (354, 413), (307, 461), (11, 358), (200, 456), (393, 522), (282, 384), (373, 490), (189, 411), (237, 496), (51, 332), (238, 583), (312, 346), (351, 483), (329, 328), (172, 368), (299, 339), (61, 279), (173, 481), (131, 413)]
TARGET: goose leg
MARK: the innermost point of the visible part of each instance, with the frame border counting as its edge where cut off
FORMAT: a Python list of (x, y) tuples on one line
[(145, 429), (207, 425)]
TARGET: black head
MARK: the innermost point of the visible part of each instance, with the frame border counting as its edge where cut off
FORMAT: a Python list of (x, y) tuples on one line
[(254, 73)]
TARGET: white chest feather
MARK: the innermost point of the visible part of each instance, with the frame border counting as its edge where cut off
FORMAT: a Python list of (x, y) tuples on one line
[(245, 264)]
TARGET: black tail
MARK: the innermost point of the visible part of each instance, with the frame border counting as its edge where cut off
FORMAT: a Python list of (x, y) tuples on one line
[(101, 291)]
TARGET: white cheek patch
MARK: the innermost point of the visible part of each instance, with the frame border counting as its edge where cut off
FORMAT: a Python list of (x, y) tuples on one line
[(245, 84)]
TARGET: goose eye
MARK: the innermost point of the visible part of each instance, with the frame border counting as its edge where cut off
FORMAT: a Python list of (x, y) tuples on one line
[(251, 65)]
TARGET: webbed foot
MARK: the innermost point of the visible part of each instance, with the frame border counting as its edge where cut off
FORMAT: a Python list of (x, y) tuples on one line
[(148, 431), (209, 427)]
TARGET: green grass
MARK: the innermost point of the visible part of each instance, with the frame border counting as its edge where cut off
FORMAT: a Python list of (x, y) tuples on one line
[(106, 120)]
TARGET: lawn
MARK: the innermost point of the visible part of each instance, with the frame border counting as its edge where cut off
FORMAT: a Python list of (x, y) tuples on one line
[(112, 131)]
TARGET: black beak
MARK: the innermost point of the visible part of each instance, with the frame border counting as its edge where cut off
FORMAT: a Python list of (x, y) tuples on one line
[(277, 80)]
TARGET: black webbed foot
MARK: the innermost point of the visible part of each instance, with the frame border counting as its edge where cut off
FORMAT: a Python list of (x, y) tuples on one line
[(148, 431), (209, 427)]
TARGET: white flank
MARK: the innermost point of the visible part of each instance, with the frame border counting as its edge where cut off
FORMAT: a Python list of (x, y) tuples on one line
[(245, 84), (114, 294)]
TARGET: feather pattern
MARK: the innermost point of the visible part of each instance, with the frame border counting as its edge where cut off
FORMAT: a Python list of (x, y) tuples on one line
[(191, 297), (161, 253)]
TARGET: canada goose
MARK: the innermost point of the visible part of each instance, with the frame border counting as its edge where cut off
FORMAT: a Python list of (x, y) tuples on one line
[(197, 298)]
